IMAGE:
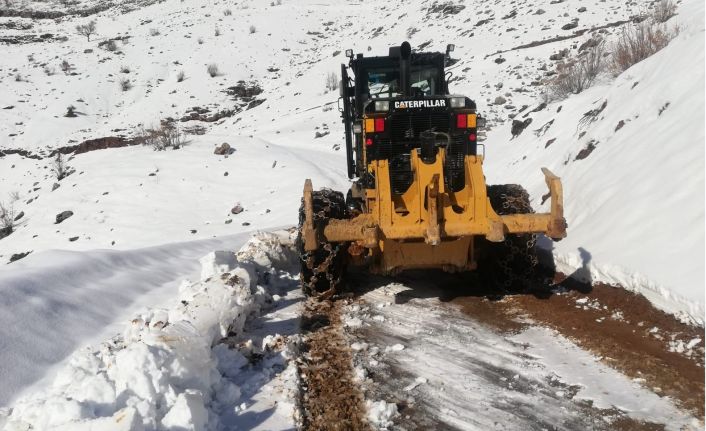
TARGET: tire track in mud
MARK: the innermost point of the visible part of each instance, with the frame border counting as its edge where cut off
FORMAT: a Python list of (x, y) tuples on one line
[(330, 397)]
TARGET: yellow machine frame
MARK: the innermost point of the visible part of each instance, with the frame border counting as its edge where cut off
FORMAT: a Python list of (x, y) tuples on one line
[(429, 226)]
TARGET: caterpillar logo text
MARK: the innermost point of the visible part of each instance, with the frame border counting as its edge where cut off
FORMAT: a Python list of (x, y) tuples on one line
[(404, 104)]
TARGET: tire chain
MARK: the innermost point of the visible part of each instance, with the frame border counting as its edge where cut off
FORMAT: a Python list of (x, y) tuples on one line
[(514, 273), (330, 208), (519, 262)]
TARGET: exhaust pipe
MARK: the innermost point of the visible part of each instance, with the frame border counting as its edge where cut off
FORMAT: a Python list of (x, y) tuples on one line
[(405, 73)]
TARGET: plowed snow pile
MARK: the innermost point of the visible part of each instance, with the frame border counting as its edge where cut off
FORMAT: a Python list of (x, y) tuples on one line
[(189, 365)]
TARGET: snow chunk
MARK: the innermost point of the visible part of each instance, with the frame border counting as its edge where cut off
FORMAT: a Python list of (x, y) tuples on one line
[(418, 381), (352, 322), (692, 343), (358, 346), (229, 361), (381, 412), (216, 263), (395, 348), (187, 413)]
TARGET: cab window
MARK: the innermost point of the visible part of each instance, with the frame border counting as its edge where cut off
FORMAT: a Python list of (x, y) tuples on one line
[(384, 82), (425, 81)]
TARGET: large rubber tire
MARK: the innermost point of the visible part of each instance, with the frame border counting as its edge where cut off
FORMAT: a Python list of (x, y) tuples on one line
[(322, 270), (511, 265)]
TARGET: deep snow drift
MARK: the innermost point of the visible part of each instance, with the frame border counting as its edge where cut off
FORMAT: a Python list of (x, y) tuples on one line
[(635, 205)]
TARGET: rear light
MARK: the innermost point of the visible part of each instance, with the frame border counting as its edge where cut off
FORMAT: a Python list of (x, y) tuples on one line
[(369, 142), (472, 137), (471, 121), (374, 125), (466, 121)]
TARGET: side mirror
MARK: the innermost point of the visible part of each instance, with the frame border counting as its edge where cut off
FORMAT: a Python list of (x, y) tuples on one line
[(447, 58), (341, 88), (349, 53)]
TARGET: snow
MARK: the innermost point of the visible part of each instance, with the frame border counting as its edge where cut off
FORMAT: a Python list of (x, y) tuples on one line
[(635, 206), (188, 412), (418, 381), (180, 366), (394, 348), (380, 413), (602, 385), (142, 218), (628, 204), (57, 301)]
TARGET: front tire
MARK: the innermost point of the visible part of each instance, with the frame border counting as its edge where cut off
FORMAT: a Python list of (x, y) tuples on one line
[(322, 270), (511, 265)]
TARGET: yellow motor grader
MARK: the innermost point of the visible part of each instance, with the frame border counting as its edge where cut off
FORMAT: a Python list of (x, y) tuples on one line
[(419, 199)]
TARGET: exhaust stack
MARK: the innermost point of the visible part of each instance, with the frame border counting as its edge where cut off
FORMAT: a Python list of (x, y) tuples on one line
[(405, 73)]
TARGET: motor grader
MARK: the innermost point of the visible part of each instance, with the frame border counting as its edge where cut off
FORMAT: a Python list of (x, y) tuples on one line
[(418, 198)]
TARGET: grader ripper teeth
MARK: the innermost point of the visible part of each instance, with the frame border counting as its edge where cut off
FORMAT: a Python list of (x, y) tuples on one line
[(445, 227), (419, 197)]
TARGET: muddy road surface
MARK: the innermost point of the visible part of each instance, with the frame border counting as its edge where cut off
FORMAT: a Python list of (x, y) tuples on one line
[(437, 351)]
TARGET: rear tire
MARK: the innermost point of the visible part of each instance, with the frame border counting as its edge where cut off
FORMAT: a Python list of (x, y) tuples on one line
[(511, 265), (322, 269)]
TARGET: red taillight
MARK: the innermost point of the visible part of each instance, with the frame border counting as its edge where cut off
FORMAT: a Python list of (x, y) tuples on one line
[(461, 121), (472, 137), (379, 125), (368, 142)]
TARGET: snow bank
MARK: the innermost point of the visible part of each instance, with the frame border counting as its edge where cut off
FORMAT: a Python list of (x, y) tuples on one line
[(173, 367), (54, 302), (635, 204)]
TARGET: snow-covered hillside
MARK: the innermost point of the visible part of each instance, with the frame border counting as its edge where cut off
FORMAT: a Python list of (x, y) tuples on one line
[(635, 204), (634, 200), (624, 203)]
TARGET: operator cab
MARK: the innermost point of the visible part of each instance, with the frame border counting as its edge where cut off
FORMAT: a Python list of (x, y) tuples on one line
[(394, 76), (394, 100), (384, 82)]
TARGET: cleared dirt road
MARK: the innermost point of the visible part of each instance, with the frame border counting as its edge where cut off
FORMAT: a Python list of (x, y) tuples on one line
[(445, 354)]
